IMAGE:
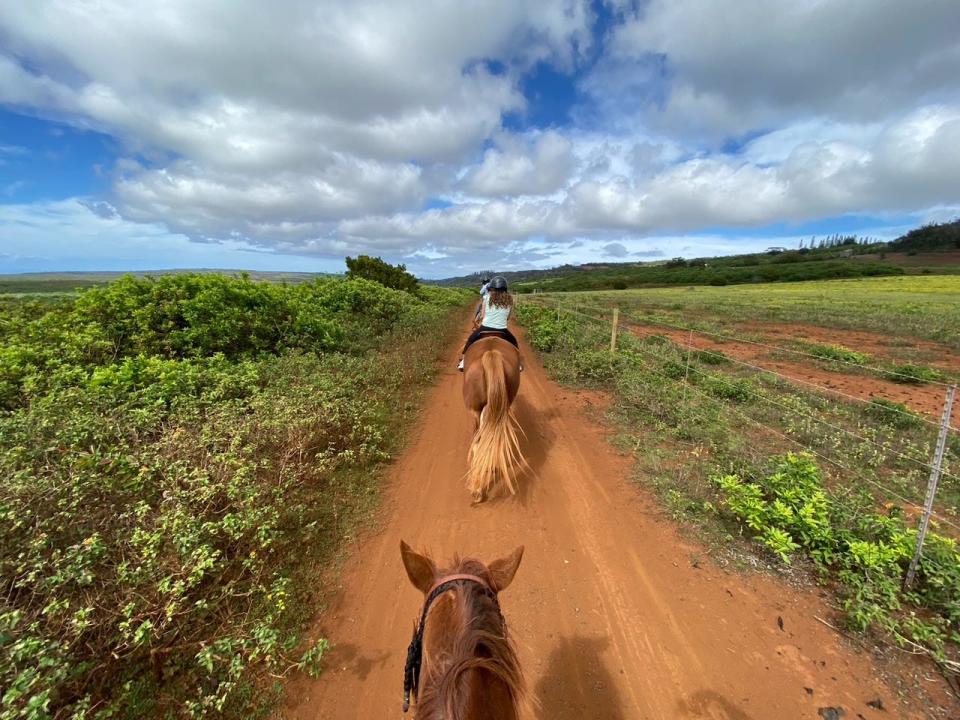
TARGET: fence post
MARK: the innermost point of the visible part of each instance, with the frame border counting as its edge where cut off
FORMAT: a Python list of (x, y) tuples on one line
[(613, 331), (931, 486)]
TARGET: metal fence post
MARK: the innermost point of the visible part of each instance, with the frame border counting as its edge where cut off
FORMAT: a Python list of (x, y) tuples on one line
[(931, 486), (613, 331)]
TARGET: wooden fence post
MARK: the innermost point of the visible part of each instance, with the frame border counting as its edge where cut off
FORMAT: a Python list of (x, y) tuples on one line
[(931, 486), (613, 331)]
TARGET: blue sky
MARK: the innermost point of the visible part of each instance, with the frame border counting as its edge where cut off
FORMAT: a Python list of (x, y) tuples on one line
[(458, 137)]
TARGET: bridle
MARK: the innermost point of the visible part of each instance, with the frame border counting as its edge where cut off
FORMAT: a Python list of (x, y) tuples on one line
[(411, 671)]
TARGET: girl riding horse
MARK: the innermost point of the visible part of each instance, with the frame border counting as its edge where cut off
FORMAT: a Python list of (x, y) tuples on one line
[(496, 305), (491, 366)]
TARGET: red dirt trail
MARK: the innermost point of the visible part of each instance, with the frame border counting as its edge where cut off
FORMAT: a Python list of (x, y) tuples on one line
[(614, 617)]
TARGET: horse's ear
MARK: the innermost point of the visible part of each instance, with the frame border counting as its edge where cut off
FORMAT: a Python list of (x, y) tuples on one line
[(420, 569), (503, 570)]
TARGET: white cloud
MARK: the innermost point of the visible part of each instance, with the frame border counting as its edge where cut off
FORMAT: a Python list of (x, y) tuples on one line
[(735, 67), (305, 111), (325, 128), (903, 166), (539, 167)]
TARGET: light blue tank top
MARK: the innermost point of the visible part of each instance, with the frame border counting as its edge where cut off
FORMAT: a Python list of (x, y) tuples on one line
[(493, 316)]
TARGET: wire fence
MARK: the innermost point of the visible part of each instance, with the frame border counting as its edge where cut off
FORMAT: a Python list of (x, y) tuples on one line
[(730, 409), (733, 338)]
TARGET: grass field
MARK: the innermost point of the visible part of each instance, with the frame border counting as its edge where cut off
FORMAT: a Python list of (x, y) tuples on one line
[(712, 386), (926, 307)]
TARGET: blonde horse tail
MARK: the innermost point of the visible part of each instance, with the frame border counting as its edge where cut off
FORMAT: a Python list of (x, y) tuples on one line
[(495, 450)]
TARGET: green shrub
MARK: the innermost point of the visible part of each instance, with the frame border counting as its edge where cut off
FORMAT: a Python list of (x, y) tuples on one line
[(710, 357), (171, 453), (838, 352), (674, 370), (727, 388), (375, 269), (598, 365), (911, 374), (789, 511), (545, 329), (892, 413)]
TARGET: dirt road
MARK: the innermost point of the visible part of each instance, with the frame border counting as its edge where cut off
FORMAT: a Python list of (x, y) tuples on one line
[(614, 617)]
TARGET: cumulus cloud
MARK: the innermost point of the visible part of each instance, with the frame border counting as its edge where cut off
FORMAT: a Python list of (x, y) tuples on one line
[(738, 66), (617, 250), (538, 167), (905, 165), (326, 128), (306, 111)]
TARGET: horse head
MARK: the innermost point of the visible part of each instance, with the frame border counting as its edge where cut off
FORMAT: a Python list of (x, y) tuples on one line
[(460, 663)]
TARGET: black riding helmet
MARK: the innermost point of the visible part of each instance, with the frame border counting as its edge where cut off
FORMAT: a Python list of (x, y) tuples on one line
[(498, 283)]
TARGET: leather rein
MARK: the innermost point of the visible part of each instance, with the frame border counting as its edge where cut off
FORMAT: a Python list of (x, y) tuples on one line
[(411, 671)]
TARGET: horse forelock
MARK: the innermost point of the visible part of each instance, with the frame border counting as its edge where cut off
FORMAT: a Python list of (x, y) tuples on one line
[(475, 640)]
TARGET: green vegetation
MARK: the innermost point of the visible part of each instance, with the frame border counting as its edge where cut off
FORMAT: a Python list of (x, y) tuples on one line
[(838, 353), (709, 437), (834, 257), (371, 268), (789, 511), (926, 307), (912, 374), (894, 414), (936, 236), (181, 457), (714, 271)]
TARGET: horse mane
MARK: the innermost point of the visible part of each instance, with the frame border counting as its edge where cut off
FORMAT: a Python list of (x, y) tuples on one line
[(482, 647)]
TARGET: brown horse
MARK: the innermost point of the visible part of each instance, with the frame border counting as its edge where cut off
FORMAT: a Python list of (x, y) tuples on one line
[(491, 379), (460, 664)]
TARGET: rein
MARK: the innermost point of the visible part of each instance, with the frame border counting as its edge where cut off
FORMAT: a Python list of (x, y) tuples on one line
[(411, 671)]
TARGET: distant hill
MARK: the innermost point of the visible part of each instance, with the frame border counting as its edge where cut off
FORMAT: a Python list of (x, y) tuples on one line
[(930, 249), (937, 236)]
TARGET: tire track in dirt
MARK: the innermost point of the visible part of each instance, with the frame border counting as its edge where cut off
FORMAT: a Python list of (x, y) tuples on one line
[(611, 617)]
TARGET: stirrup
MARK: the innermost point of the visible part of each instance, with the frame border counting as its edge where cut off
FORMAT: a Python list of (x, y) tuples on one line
[(460, 365)]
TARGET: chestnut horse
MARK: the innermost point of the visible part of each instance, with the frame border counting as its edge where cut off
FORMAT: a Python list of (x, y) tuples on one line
[(460, 663), (491, 379)]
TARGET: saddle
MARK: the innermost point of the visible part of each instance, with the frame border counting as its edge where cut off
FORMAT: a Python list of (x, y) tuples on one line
[(493, 333)]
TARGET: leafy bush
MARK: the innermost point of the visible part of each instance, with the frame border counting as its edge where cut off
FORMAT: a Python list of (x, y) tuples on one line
[(170, 450), (728, 388), (544, 328), (838, 352), (892, 413), (376, 270), (710, 357), (911, 374), (790, 511), (600, 365)]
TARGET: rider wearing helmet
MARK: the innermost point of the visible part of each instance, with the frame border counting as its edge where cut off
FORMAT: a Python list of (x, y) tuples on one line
[(496, 306)]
